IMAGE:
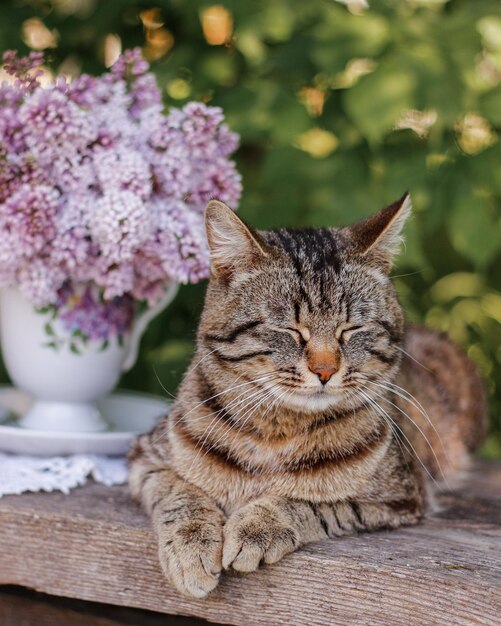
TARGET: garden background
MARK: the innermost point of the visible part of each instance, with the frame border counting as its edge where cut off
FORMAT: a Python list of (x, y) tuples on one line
[(340, 109)]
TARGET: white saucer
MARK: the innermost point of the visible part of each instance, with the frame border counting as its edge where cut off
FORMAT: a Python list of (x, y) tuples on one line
[(128, 414)]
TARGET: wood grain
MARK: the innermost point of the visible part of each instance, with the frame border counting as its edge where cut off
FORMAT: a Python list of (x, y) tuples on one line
[(23, 607), (97, 545)]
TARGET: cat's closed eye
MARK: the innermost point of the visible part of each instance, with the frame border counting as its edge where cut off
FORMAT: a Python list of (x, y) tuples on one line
[(345, 333), (302, 335)]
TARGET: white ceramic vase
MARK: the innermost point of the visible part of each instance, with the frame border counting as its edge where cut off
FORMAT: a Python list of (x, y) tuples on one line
[(63, 383)]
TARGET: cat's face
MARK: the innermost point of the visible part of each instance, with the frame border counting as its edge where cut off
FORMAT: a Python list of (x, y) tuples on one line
[(310, 315)]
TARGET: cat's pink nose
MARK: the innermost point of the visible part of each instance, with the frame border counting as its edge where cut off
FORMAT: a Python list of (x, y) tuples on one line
[(324, 363), (324, 372)]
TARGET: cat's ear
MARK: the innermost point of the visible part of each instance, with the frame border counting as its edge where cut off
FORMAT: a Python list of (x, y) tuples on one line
[(379, 237), (234, 247)]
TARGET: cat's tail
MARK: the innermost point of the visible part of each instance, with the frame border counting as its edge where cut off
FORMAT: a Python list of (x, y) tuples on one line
[(443, 396)]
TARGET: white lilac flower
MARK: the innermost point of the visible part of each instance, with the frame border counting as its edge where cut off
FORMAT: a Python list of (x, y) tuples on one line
[(39, 281), (120, 223), (123, 169)]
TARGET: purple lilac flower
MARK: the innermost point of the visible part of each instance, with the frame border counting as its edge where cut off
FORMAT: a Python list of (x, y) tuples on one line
[(24, 69), (82, 311), (28, 217), (99, 187)]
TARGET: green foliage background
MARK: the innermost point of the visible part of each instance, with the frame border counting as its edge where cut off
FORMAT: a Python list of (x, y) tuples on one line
[(315, 91)]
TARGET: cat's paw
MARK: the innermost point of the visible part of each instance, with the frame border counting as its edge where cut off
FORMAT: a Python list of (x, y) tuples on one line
[(190, 555), (257, 533)]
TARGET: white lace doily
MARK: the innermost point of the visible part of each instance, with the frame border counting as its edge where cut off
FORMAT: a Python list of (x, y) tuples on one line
[(29, 473)]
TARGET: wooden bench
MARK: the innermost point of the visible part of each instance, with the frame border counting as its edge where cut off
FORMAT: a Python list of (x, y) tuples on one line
[(97, 545)]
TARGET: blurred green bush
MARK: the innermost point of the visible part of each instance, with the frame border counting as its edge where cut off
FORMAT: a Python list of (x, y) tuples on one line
[(340, 110)]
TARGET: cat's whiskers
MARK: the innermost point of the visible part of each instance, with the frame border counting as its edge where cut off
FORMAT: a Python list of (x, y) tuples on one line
[(373, 405), (277, 407), (379, 395), (384, 414), (242, 399), (399, 391), (164, 388), (214, 421), (408, 397), (234, 402), (227, 390), (409, 355), (269, 392), (162, 385), (249, 397), (243, 420), (394, 427), (409, 274), (274, 403), (400, 437), (247, 401), (205, 356)]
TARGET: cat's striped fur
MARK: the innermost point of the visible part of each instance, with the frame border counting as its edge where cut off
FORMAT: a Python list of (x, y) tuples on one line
[(295, 421)]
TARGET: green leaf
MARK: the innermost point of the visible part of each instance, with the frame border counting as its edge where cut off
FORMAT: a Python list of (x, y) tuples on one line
[(74, 349), (490, 106), (220, 67), (342, 36), (293, 117), (377, 101), (49, 330), (473, 229)]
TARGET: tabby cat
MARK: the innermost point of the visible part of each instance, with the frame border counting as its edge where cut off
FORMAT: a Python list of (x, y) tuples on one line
[(308, 411)]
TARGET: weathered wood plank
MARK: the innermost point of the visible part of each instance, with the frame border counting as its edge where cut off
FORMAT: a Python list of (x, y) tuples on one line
[(96, 545), (23, 607)]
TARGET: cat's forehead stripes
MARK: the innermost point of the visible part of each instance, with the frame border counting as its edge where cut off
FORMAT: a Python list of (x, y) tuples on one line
[(315, 255), (310, 249)]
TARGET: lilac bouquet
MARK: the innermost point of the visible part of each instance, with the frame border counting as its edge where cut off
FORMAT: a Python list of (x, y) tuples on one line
[(101, 192)]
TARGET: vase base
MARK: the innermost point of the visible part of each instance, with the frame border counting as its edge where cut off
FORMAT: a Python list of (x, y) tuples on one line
[(126, 413), (64, 416)]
